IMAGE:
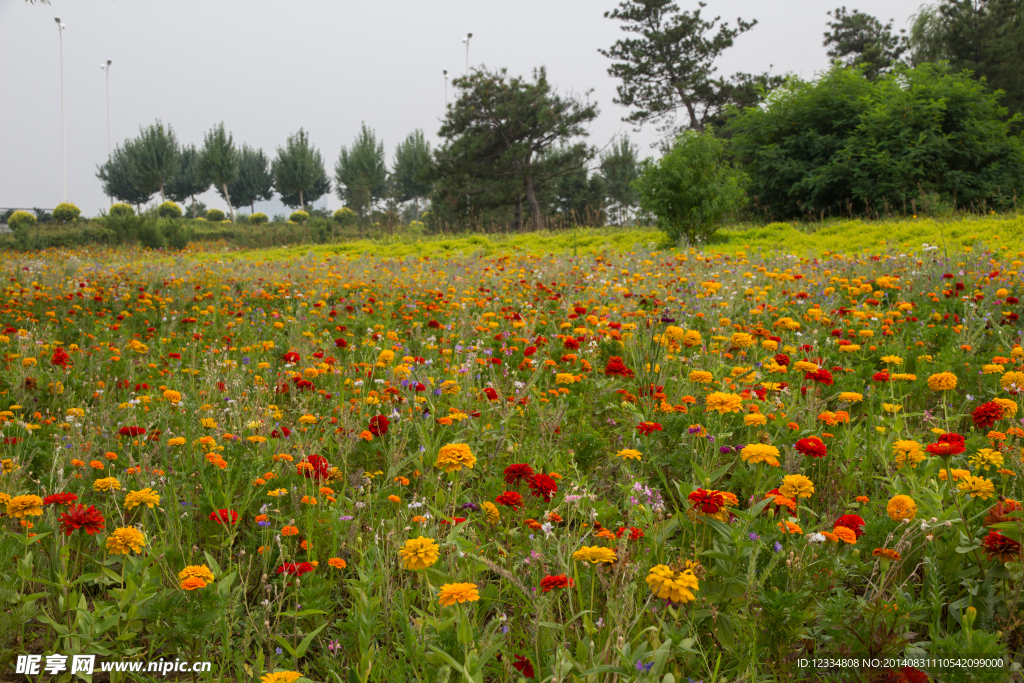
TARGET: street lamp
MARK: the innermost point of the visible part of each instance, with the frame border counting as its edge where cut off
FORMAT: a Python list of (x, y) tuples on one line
[(466, 41), (63, 134), (106, 67), (446, 89)]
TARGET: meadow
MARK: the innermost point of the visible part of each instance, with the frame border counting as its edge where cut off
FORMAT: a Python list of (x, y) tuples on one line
[(570, 457)]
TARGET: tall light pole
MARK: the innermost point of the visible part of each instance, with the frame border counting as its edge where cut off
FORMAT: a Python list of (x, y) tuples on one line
[(106, 67), (63, 134), (446, 89), (466, 41)]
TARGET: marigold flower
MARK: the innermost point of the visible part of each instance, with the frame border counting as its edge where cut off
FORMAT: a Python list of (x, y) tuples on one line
[(548, 583), (192, 583), (901, 507), (107, 484), (845, 534), (337, 563), (199, 571), (289, 531), (788, 527), (886, 553)]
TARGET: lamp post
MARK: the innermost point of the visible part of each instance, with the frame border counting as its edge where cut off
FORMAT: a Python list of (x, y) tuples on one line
[(446, 89), (63, 133), (106, 67), (466, 41)]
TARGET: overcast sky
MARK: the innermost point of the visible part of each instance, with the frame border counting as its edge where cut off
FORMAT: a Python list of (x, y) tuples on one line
[(268, 67)]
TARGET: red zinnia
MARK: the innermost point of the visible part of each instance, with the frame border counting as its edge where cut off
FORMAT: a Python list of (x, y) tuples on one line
[(1001, 547), (646, 428), (60, 499), (944, 449), (131, 431), (823, 376), (321, 468), (851, 522), (514, 474), (340, 343), (986, 415), (634, 533), (542, 486), (951, 437), (222, 516), (560, 581), (523, 666), (616, 368), (379, 425), (781, 359), (290, 357), (812, 446), (60, 357), (491, 394), (529, 351), (510, 499), (708, 502), (81, 517), (882, 376), (296, 568)]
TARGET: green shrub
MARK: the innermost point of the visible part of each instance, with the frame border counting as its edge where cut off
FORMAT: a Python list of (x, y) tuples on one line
[(299, 217), (149, 233), (845, 145), (21, 219), (122, 210), (175, 234), (416, 229), (345, 216), (215, 215), (169, 210), (66, 213), (692, 188), (258, 219)]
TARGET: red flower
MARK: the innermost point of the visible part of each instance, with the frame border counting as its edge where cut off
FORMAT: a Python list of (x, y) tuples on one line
[(782, 359), (321, 468), (822, 376), (60, 499), (523, 666), (291, 357), (1000, 547), (986, 415), (491, 394), (510, 499), (222, 516), (514, 474), (571, 344), (634, 533), (944, 449), (60, 357), (542, 486), (851, 522), (340, 343), (812, 446), (616, 368), (296, 568), (131, 431), (560, 581), (953, 438), (708, 502), (882, 376), (646, 428), (81, 517), (379, 425), (529, 351)]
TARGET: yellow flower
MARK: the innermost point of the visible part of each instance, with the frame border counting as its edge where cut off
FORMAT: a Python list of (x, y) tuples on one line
[(701, 377), (907, 452), (851, 396), (628, 454), (124, 540), (491, 510), (892, 360), (25, 506), (892, 408), (1013, 379), (199, 571), (692, 338), (146, 496), (281, 677), (1009, 407), (192, 583), (901, 507), (796, 486), (307, 420), (675, 334), (594, 554), (276, 493), (757, 452), (942, 381), (804, 366), (176, 441), (208, 422), (386, 357), (754, 420), (672, 585), (419, 553), (565, 378), (741, 340), (724, 403), (108, 484), (986, 458), (172, 396), (977, 487), (454, 457), (452, 593)]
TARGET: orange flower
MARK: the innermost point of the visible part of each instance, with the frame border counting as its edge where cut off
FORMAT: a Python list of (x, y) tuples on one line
[(289, 531), (845, 534), (337, 563)]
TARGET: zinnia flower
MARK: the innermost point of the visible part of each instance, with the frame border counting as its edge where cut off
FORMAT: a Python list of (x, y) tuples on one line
[(646, 428), (224, 516), (454, 456), (419, 553), (1000, 547), (723, 403), (108, 484), (986, 415), (594, 554), (514, 474), (198, 571), (60, 499), (551, 582), (667, 584), (942, 381), (796, 486), (281, 676), (25, 506), (510, 499), (147, 497), (854, 522), (628, 454), (708, 502), (757, 453), (452, 593), (542, 486), (977, 487), (901, 507), (81, 517), (124, 540), (812, 447)]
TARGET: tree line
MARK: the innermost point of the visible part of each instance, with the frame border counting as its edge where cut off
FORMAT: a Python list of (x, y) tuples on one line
[(514, 150)]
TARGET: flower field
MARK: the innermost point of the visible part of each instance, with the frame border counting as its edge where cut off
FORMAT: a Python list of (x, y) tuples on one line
[(630, 465)]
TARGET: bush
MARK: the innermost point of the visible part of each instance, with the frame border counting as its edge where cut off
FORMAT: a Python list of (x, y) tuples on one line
[(175, 234), (149, 234), (169, 210), (258, 219), (215, 215), (691, 188), (299, 217), (66, 213), (345, 217), (21, 219), (122, 210), (845, 145)]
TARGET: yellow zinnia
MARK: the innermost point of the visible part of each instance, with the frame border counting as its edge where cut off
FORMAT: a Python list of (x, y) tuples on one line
[(419, 553), (942, 381), (25, 506), (124, 540), (758, 452), (901, 507), (723, 403), (146, 496), (452, 593), (454, 456), (677, 586)]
